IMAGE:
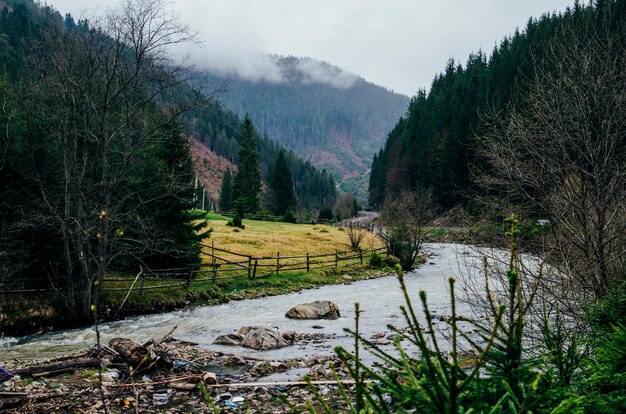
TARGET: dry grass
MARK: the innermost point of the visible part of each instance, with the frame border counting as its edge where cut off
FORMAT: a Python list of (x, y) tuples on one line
[(264, 238)]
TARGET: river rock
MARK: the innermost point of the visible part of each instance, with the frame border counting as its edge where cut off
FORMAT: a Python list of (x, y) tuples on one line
[(320, 309), (263, 339), (228, 339)]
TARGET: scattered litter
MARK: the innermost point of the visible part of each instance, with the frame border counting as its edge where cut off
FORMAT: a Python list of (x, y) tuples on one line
[(237, 399), (181, 364), (162, 398), (230, 404), (5, 375)]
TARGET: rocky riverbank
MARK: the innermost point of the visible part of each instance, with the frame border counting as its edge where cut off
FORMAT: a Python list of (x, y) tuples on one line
[(176, 376)]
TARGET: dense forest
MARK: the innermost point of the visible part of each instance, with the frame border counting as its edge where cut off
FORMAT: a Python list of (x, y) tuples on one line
[(537, 128), (219, 130), (330, 117), (437, 143), (95, 164)]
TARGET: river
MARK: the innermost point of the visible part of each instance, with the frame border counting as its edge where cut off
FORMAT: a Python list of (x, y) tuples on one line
[(379, 299)]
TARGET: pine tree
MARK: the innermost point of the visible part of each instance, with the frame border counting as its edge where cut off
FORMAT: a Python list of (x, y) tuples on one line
[(173, 217), (226, 193), (248, 178), (282, 197)]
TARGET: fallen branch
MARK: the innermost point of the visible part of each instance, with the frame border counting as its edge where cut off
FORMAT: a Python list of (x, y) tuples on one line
[(165, 381), (168, 336), (54, 373), (197, 378), (37, 369), (128, 293), (288, 383), (5, 394)]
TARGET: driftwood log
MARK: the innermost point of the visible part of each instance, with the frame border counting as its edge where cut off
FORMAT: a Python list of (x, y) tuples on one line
[(129, 350), (66, 366), (142, 357)]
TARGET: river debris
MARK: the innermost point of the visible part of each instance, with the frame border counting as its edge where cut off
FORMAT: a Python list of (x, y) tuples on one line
[(169, 376)]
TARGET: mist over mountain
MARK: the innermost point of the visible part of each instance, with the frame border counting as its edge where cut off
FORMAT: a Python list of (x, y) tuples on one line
[(333, 118)]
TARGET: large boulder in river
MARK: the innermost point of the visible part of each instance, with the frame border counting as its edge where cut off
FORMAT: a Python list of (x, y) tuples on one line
[(320, 309), (263, 339)]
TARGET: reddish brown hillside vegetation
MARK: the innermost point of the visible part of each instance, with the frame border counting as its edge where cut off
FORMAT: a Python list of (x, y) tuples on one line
[(210, 168)]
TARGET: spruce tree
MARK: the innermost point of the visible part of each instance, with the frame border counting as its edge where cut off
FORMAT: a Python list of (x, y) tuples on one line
[(226, 193), (282, 197), (248, 178)]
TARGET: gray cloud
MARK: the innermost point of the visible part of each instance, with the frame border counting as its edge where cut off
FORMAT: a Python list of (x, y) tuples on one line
[(400, 44), (318, 72), (255, 66)]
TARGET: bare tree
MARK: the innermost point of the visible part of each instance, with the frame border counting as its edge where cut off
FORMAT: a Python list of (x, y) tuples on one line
[(356, 233), (103, 82), (563, 151), (404, 217)]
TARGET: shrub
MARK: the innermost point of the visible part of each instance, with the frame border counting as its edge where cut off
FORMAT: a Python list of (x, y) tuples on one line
[(375, 260), (326, 214), (289, 217), (356, 234), (236, 222)]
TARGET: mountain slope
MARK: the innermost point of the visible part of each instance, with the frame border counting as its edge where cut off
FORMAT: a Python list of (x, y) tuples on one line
[(330, 117), (436, 144)]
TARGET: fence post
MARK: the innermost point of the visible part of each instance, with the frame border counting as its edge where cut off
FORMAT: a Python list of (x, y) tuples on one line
[(142, 280), (307, 263), (256, 261), (277, 262), (249, 267), (336, 258), (214, 276), (189, 277), (361, 255)]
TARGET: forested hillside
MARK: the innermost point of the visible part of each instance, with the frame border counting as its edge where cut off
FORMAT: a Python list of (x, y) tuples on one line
[(437, 144), (219, 130), (95, 166), (330, 117)]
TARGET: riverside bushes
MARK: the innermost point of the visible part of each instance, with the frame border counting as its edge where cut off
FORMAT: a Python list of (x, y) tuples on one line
[(503, 374)]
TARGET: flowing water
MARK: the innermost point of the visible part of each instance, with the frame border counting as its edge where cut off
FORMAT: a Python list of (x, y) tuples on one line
[(380, 300)]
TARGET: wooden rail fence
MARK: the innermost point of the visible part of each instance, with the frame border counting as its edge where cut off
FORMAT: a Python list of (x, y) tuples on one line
[(222, 264), (225, 264)]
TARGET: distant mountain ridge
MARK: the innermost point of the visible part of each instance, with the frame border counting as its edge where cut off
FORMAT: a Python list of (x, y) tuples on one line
[(333, 118)]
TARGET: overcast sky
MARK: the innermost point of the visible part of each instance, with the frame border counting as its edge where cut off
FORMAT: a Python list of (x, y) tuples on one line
[(399, 44)]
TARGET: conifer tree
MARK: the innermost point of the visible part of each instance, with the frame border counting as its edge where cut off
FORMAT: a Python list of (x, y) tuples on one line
[(248, 178), (226, 193), (282, 197)]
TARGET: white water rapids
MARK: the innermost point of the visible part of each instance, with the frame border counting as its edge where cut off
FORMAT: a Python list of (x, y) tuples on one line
[(380, 300)]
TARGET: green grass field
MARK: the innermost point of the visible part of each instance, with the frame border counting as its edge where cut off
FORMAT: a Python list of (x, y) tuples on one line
[(259, 238), (266, 238)]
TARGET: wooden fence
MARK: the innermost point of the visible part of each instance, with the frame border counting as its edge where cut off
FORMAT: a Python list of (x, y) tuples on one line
[(225, 264), (266, 217)]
